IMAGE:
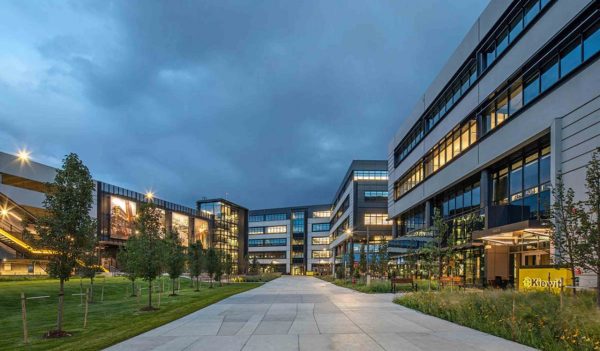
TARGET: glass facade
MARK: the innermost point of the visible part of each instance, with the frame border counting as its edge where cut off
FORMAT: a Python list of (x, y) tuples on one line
[(376, 219), (267, 242), (370, 175), (321, 240)]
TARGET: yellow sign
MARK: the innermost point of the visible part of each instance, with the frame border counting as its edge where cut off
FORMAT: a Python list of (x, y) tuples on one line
[(310, 273), (544, 279)]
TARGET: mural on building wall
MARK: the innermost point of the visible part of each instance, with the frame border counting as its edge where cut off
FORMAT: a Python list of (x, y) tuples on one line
[(122, 217), (181, 224)]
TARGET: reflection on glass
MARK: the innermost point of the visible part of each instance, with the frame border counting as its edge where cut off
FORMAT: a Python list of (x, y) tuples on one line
[(180, 224), (122, 217), (549, 75)]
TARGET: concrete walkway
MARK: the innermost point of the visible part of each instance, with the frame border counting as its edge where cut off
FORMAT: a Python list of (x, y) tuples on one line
[(305, 313)]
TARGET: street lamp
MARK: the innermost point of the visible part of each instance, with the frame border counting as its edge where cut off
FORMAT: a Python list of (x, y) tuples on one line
[(24, 155), (149, 195)]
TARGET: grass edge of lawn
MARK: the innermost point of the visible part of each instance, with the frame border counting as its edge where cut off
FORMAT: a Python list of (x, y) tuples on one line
[(91, 343)]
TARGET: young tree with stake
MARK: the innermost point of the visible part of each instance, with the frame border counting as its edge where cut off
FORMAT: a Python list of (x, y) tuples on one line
[(565, 234), (68, 229), (127, 264), (175, 257), (147, 247), (196, 261), (212, 264)]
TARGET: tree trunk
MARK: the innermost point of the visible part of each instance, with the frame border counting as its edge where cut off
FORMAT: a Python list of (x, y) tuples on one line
[(573, 279), (197, 283), (598, 288), (61, 300), (173, 286), (150, 294), (91, 289)]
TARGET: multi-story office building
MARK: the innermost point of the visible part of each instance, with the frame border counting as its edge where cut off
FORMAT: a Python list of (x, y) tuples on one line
[(23, 190), (228, 230), (359, 212), (287, 240), (517, 103)]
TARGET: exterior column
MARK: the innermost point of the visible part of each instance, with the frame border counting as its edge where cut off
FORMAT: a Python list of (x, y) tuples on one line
[(428, 214), (484, 189)]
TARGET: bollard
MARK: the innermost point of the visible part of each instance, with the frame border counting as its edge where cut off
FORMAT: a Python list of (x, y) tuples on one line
[(24, 316), (85, 314)]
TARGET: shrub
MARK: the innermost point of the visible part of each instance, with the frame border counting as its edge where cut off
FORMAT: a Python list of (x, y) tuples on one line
[(259, 278), (538, 319)]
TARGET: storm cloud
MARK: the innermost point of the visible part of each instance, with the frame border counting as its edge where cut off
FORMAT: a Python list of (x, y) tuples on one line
[(265, 102)]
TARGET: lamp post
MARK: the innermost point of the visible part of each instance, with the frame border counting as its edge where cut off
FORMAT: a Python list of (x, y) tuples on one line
[(351, 233)]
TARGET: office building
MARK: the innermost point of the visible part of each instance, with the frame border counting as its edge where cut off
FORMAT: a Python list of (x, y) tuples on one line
[(290, 240), (517, 103), (359, 212), (217, 223)]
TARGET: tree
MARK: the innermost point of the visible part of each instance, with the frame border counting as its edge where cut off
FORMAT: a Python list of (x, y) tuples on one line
[(254, 267), (67, 229), (174, 257), (565, 234), (147, 247), (89, 265), (588, 249), (219, 267), (383, 259), (440, 230), (362, 260), (196, 261), (212, 264), (127, 264), (351, 258), (228, 266)]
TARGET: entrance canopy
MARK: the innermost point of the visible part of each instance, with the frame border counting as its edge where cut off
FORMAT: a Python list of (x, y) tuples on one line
[(529, 231)]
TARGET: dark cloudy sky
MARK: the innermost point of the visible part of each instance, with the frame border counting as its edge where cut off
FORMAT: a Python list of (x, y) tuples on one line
[(267, 101)]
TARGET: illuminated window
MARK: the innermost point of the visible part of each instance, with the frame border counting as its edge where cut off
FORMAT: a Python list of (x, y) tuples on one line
[(377, 219), (322, 214), (321, 240), (256, 230), (276, 217), (276, 229), (321, 254), (370, 175)]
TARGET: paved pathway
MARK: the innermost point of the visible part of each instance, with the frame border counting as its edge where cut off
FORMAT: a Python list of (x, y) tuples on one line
[(305, 313)]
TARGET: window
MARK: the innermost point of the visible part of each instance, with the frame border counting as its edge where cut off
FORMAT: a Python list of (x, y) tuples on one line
[(501, 109), (267, 255), (370, 195), (267, 242), (571, 58), (500, 187), (549, 75), (377, 219), (256, 230), (276, 217), (532, 89), (320, 227), (516, 177), (321, 254), (321, 240), (256, 218), (278, 229), (502, 43), (516, 99), (516, 27), (322, 214), (298, 222), (530, 173), (591, 42), (370, 175), (531, 11)]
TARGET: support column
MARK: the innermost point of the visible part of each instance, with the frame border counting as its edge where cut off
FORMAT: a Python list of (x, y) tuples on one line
[(428, 213), (484, 189)]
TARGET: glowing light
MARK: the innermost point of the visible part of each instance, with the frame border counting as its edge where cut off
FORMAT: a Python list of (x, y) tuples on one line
[(24, 155), (150, 195), (4, 212)]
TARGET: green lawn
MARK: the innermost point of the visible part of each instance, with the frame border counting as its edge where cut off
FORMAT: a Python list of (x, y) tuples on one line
[(115, 319)]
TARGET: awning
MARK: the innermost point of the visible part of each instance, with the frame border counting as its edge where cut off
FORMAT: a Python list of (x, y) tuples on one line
[(514, 233)]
